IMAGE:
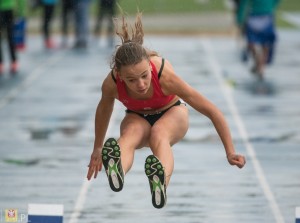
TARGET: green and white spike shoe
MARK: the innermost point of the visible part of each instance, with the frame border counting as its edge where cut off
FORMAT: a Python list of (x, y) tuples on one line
[(111, 158), (155, 172)]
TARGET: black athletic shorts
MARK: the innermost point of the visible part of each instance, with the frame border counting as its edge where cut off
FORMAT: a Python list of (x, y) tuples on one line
[(152, 118)]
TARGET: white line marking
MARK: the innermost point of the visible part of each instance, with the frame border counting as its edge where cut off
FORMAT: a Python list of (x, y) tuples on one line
[(80, 201), (215, 67), (86, 184), (14, 92)]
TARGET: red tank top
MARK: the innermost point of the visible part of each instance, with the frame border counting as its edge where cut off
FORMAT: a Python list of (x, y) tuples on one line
[(158, 99)]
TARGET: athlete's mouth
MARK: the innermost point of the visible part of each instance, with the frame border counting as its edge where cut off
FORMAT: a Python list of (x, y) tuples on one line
[(142, 90)]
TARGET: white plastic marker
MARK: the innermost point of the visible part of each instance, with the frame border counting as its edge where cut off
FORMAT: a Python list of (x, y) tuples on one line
[(46, 213), (216, 69), (297, 215)]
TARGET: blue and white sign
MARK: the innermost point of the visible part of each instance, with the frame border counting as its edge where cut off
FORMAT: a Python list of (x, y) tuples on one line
[(46, 213), (297, 214)]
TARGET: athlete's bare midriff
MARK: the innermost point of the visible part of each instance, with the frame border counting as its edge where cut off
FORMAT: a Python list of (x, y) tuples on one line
[(155, 111)]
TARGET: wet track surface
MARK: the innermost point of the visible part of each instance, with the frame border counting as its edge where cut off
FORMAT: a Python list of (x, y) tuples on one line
[(47, 131)]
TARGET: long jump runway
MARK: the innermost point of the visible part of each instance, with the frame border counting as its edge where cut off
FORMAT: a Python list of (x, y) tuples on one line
[(47, 132)]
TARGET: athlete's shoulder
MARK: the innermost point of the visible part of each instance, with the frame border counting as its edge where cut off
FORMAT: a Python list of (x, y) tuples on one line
[(157, 61), (162, 64), (109, 86)]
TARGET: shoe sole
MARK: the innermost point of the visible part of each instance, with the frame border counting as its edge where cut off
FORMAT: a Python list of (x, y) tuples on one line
[(156, 175), (111, 158)]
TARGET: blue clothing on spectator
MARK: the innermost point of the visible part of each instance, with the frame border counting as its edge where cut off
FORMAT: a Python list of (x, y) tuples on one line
[(49, 2), (261, 29)]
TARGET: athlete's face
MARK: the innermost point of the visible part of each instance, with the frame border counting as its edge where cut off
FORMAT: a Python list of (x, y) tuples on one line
[(137, 77)]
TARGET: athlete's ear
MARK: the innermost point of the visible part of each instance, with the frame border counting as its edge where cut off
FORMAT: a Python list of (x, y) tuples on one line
[(117, 72)]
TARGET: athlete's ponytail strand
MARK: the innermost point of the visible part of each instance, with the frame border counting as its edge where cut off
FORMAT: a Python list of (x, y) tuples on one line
[(131, 50)]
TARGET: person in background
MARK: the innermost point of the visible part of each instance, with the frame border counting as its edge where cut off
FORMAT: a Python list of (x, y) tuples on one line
[(156, 115), (48, 12), (81, 11), (20, 25), (7, 19), (244, 54), (67, 12), (258, 17), (106, 8), (236, 4)]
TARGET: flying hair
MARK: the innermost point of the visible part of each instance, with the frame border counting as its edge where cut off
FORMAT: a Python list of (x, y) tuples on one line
[(128, 33), (131, 51)]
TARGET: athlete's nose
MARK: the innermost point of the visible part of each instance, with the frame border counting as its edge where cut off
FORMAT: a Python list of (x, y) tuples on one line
[(140, 84)]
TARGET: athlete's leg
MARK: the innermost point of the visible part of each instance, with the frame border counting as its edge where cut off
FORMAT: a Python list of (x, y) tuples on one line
[(117, 156), (167, 131), (135, 132)]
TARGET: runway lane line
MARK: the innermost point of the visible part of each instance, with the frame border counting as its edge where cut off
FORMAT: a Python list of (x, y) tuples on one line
[(79, 205), (227, 92)]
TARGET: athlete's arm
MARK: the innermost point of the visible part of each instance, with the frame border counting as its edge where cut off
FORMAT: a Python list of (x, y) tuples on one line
[(102, 118), (172, 84)]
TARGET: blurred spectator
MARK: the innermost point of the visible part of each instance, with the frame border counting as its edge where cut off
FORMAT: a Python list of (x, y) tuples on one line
[(241, 32), (7, 8), (258, 17), (236, 4), (20, 25), (106, 8), (81, 23), (48, 6), (35, 4), (67, 11)]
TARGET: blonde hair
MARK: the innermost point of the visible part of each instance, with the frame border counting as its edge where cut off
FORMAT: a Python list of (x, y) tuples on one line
[(131, 51)]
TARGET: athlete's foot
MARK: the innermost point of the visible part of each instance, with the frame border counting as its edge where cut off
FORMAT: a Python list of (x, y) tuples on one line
[(111, 158), (157, 180)]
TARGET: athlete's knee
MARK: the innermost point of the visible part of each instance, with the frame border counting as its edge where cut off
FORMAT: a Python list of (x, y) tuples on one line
[(158, 135), (131, 129)]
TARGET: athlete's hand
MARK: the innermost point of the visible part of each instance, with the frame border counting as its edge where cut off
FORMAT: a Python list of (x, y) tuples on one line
[(237, 160), (95, 164)]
